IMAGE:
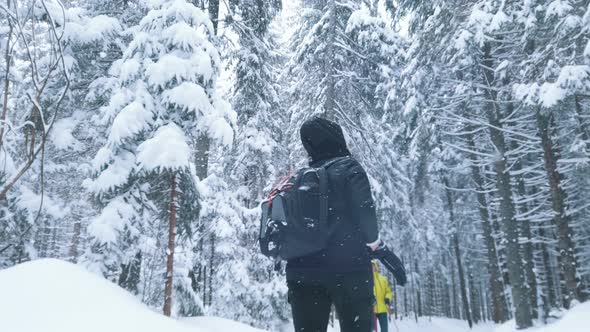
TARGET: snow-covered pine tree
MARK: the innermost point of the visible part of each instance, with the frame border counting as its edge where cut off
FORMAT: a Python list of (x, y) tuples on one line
[(165, 97), (243, 276)]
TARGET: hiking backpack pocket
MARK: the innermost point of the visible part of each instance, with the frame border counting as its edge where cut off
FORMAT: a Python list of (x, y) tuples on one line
[(303, 213), (295, 217)]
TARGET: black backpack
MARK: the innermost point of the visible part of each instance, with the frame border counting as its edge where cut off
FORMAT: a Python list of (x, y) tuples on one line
[(294, 219)]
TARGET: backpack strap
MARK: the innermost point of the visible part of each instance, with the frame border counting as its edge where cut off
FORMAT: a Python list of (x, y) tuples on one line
[(333, 161)]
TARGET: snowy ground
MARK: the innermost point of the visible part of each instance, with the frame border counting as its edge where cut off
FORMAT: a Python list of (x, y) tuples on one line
[(434, 324), (54, 296)]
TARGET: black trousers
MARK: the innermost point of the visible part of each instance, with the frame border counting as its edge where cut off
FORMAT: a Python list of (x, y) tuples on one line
[(352, 295)]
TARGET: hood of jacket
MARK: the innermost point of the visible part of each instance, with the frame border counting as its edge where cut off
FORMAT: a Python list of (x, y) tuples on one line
[(323, 139)]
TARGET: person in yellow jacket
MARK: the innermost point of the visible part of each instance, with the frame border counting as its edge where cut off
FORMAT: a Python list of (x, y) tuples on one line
[(383, 297)]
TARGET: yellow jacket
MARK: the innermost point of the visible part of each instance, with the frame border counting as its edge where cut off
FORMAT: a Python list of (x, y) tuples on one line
[(382, 291)]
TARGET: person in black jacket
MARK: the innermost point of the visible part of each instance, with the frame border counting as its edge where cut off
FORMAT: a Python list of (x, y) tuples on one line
[(341, 273)]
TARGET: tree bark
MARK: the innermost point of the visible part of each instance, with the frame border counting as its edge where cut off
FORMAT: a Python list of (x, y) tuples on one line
[(73, 252), (549, 297), (507, 210), (457, 251), (8, 62), (214, 14), (499, 308), (418, 289), (330, 103), (170, 257), (583, 127), (566, 245), (211, 269), (447, 303), (455, 312), (474, 299), (526, 234)]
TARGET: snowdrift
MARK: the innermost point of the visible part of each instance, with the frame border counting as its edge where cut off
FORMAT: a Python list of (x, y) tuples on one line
[(576, 319), (50, 295)]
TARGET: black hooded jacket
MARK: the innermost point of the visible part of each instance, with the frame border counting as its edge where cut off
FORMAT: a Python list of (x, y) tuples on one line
[(351, 213)]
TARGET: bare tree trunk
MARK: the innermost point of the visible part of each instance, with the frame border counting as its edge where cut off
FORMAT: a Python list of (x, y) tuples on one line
[(526, 234), (485, 312), (474, 299), (549, 297), (583, 127), (73, 252), (204, 285), (418, 289), (214, 13), (8, 62), (170, 257), (455, 312), (413, 288), (457, 251), (447, 303), (405, 303), (211, 269), (507, 210), (566, 245), (330, 102), (499, 308)]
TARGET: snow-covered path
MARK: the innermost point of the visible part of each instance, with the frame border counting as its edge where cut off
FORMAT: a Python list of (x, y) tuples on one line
[(432, 325), (55, 296)]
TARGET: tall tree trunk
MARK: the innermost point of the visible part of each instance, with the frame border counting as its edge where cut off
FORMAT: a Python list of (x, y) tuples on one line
[(330, 99), (549, 297), (202, 147), (73, 252), (507, 210), (499, 307), (457, 251), (170, 257), (214, 13), (211, 269), (406, 312), (8, 62), (527, 236), (455, 312), (418, 289), (583, 127), (485, 312), (565, 242), (204, 285), (447, 294), (413, 288), (474, 299)]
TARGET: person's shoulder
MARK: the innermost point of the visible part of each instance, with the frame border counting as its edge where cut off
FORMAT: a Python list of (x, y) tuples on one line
[(344, 167), (346, 163)]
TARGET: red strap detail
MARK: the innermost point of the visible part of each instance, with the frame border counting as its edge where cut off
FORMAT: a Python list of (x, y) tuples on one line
[(281, 186)]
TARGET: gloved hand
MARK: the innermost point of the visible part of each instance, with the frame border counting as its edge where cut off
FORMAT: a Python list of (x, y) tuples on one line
[(391, 262), (387, 301)]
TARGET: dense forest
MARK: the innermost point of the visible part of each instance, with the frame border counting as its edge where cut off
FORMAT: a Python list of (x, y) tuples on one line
[(138, 138)]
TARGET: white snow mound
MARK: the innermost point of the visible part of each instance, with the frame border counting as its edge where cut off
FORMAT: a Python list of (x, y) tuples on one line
[(216, 324), (50, 295)]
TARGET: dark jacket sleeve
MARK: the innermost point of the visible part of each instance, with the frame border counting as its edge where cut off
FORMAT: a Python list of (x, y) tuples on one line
[(361, 202)]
